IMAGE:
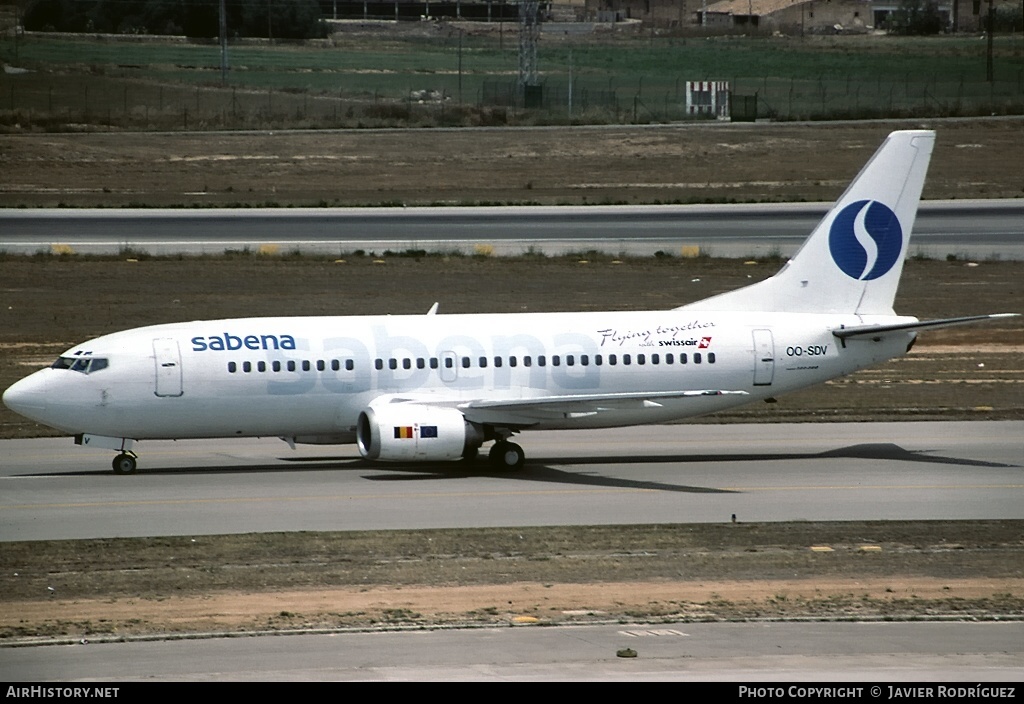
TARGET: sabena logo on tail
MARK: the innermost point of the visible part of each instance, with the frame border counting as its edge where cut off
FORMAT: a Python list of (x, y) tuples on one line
[(865, 240)]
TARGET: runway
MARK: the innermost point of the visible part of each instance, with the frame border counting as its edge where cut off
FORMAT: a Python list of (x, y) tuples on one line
[(744, 653), (51, 489), (978, 229)]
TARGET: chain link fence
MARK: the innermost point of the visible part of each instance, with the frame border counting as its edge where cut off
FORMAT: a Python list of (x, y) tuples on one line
[(41, 102)]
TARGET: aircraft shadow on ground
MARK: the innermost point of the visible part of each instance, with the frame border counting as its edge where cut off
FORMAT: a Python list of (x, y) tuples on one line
[(551, 469), (541, 470)]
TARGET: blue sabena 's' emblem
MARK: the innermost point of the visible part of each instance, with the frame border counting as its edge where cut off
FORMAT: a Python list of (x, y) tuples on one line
[(865, 240)]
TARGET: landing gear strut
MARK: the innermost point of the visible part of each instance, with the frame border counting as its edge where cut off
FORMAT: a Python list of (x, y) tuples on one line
[(125, 463), (506, 456)]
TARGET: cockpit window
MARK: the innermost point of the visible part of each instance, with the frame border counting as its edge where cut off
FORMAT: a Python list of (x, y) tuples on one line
[(85, 365)]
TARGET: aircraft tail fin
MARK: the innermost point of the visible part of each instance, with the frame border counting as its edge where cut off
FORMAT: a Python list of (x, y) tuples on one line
[(853, 259)]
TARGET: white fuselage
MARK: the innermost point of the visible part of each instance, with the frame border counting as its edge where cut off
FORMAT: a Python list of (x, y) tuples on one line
[(309, 378)]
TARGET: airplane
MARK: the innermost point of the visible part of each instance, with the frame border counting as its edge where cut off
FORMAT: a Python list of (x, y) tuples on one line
[(438, 387)]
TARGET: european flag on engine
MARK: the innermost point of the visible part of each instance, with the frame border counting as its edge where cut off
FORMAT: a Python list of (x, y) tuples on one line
[(428, 431)]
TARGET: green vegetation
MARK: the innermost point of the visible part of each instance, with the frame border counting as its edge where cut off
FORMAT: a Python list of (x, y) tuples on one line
[(442, 74)]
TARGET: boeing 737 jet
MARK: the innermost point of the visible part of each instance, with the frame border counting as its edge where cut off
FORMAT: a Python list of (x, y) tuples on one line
[(438, 387)]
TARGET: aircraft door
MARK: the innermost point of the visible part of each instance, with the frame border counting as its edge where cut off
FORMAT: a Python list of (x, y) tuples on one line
[(168, 367), (764, 358)]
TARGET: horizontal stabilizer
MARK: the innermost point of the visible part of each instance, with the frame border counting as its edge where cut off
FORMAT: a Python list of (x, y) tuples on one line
[(873, 330)]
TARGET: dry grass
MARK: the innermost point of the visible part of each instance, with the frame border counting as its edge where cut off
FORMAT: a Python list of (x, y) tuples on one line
[(273, 582), (583, 165), (976, 372)]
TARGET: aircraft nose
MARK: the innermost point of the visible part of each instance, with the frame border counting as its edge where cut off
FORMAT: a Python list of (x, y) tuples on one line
[(27, 397)]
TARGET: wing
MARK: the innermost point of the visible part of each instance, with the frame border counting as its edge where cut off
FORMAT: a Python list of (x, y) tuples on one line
[(525, 412), (528, 411)]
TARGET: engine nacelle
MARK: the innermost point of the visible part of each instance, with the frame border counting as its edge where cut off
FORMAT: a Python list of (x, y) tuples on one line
[(409, 431)]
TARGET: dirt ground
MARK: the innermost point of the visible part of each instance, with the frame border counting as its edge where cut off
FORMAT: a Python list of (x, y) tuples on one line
[(521, 603), (281, 582), (690, 163)]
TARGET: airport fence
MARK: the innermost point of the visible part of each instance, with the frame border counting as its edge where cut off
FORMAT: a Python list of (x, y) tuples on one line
[(42, 104)]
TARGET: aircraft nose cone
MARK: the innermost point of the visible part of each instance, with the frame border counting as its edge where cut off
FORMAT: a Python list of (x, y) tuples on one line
[(26, 397)]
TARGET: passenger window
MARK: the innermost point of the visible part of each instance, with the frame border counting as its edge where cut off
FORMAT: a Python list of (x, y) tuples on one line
[(555, 360), (483, 362), (512, 361), (378, 364), (465, 362), (711, 357), (232, 367), (668, 358), (584, 360), (696, 357), (598, 360), (350, 365), (421, 363), (335, 365), (261, 366), (655, 359), (305, 365), (641, 359), (527, 361), (291, 365), (246, 367), (497, 361), (392, 363), (406, 363), (570, 361), (626, 359), (320, 366), (276, 366), (682, 358), (541, 361)]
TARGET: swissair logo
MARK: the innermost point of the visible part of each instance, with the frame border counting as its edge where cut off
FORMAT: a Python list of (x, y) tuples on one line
[(705, 342)]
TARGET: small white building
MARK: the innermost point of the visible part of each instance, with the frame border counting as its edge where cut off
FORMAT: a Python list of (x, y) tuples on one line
[(709, 98)]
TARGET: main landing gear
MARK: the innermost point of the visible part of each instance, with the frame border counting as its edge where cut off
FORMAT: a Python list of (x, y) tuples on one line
[(125, 463), (506, 456)]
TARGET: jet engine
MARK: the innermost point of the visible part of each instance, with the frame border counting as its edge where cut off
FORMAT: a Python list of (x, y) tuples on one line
[(409, 431)]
